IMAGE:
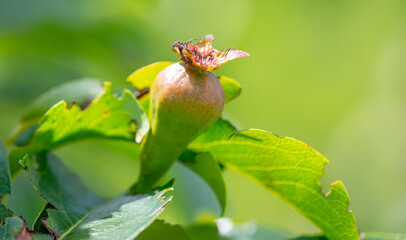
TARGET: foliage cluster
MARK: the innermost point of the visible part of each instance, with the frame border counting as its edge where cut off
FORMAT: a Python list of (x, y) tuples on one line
[(87, 109)]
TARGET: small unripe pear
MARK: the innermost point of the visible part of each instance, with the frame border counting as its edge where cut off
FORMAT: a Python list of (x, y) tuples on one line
[(184, 102), (186, 99)]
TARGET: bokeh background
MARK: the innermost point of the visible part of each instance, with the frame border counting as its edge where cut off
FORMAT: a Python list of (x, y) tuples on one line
[(330, 73)]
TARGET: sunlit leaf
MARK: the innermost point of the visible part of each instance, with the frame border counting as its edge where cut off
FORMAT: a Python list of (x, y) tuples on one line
[(232, 88), (144, 101), (220, 130), (105, 117), (292, 170), (81, 92), (144, 77)]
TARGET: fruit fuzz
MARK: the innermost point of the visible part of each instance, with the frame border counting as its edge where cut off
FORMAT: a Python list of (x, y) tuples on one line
[(186, 99)]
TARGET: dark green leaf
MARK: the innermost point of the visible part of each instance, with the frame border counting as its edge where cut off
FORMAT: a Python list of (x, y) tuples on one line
[(161, 230), (78, 213), (61, 221), (16, 228), (38, 225), (292, 170), (25, 134), (105, 117), (4, 212), (4, 172), (5, 187), (204, 165), (59, 186)]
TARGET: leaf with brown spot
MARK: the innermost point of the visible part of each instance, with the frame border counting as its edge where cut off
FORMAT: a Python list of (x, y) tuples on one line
[(78, 92), (106, 117), (15, 228)]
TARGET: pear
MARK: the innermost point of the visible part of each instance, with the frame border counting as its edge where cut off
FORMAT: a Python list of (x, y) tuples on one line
[(186, 99)]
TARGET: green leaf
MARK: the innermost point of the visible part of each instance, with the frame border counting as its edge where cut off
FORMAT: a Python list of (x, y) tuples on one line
[(204, 165), (38, 225), (144, 77), (144, 102), (60, 221), (232, 88), (382, 236), (162, 230), (105, 117), (292, 170), (123, 218), (24, 135), (221, 130), (16, 228), (79, 213), (4, 172), (81, 91), (5, 187), (4, 212), (59, 186)]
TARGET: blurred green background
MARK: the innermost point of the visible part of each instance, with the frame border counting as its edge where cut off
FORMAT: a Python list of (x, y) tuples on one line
[(330, 73)]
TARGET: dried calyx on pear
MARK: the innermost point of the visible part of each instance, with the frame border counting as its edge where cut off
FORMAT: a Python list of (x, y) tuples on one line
[(186, 99)]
